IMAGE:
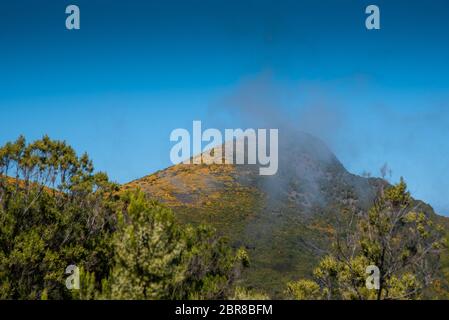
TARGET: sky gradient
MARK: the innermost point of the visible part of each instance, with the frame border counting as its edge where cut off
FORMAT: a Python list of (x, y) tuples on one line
[(139, 69)]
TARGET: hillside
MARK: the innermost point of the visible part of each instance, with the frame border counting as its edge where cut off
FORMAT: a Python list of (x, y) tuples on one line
[(284, 221)]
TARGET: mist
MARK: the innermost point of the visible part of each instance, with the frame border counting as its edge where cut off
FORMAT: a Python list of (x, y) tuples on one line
[(364, 133)]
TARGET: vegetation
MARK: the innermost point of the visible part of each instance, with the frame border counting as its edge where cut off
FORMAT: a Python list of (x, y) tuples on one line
[(55, 212), (393, 237), (156, 259)]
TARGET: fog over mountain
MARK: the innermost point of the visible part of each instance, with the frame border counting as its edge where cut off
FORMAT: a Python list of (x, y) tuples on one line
[(285, 220), (365, 134)]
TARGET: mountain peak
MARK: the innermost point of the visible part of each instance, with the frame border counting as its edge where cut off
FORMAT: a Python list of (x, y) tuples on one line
[(282, 219)]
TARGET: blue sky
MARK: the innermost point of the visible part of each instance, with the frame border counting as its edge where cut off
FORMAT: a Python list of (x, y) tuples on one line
[(139, 69)]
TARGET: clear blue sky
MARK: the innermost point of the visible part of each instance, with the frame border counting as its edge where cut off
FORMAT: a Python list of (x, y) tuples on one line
[(139, 69)]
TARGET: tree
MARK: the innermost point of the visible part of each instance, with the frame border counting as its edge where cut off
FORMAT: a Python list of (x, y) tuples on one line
[(394, 238), (148, 252), (157, 259), (54, 212), (213, 267)]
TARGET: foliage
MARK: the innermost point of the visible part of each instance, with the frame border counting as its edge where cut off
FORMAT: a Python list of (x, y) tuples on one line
[(401, 242), (156, 259), (53, 213), (241, 293), (148, 252)]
